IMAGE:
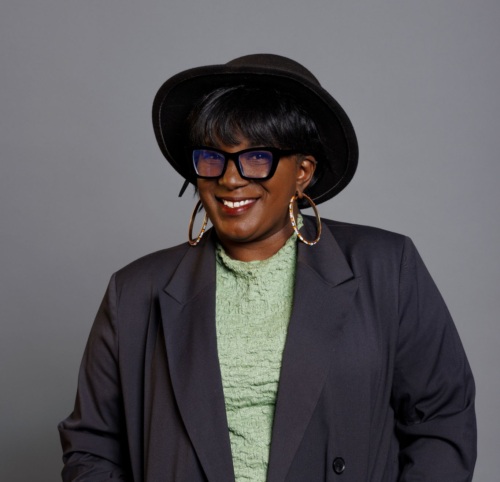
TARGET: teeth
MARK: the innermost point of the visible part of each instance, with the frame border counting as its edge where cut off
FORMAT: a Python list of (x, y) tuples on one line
[(236, 204)]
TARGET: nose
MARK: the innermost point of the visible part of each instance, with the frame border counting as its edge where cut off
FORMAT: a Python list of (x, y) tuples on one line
[(231, 178)]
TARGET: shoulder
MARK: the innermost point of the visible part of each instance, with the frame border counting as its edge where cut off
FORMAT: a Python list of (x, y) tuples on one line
[(369, 249), (365, 238), (153, 269), (358, 232)]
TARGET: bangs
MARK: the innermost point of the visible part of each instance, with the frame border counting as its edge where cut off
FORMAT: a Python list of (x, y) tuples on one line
[(261, 116)]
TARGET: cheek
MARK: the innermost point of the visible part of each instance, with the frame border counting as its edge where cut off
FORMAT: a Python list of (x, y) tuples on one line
[(207, 198), (204, 190), (283, 189), (285, 179)]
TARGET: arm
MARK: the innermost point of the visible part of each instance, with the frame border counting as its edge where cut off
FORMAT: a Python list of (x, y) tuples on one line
[(93, 436), (433, 390)]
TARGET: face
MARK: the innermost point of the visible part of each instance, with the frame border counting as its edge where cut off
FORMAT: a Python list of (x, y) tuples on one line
[(251, 217)]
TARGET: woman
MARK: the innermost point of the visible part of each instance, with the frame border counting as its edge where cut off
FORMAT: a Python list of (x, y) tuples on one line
[(274, 346)]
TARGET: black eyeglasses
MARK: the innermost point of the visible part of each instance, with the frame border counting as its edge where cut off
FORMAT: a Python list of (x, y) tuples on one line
[(256, 163)]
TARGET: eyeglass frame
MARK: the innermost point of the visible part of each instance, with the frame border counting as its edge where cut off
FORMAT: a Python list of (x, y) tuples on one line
[(276, 153)]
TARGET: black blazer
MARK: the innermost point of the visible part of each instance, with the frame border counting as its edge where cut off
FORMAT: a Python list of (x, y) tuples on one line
[(374, 383)]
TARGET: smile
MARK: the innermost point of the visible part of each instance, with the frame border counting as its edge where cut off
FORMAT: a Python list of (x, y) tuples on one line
[(237, 204)]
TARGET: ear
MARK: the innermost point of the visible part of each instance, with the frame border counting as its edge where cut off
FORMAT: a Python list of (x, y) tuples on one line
[(306, 165)]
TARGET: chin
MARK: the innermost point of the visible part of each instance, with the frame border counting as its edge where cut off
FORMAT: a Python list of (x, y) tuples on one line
[(241, 237)]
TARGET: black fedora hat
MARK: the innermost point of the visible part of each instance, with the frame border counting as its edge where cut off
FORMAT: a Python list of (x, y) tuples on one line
[(179, 94)]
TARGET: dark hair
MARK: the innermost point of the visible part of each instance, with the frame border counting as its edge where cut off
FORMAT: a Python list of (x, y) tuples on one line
[(262, 115)]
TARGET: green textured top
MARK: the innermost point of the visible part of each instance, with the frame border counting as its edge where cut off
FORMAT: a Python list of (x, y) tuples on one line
[(253, 308)]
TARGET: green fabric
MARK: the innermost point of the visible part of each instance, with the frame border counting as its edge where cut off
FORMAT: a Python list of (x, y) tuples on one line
[(253, 308)]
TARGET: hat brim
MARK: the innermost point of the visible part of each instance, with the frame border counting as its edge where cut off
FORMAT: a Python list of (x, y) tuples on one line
[(179, 94)]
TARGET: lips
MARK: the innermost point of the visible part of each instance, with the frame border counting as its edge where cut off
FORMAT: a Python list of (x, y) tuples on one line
[(236, 206)]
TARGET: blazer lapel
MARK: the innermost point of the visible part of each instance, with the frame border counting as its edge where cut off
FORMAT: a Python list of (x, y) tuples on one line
[(324, 289), (188, 316)]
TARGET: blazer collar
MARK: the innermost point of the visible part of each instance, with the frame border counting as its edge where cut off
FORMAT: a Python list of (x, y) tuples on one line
[(325, 258), (195, 272)]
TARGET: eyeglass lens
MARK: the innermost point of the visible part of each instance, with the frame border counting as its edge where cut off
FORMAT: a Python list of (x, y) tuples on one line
[(254, 164)]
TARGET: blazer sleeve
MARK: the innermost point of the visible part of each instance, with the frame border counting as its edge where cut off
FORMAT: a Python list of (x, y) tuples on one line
[(92, 437), (433, 390)]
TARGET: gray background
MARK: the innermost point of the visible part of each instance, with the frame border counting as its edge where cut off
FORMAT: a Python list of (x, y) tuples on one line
[(84, 189)]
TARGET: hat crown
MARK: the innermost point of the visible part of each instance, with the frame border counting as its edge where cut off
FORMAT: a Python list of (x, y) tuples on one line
[(273, 63)]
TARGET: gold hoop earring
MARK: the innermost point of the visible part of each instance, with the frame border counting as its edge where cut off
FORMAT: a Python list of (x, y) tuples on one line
[(191, 241), (294, 224)]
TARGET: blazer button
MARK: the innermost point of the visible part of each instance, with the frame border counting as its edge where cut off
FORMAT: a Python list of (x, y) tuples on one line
[(338, 465)]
